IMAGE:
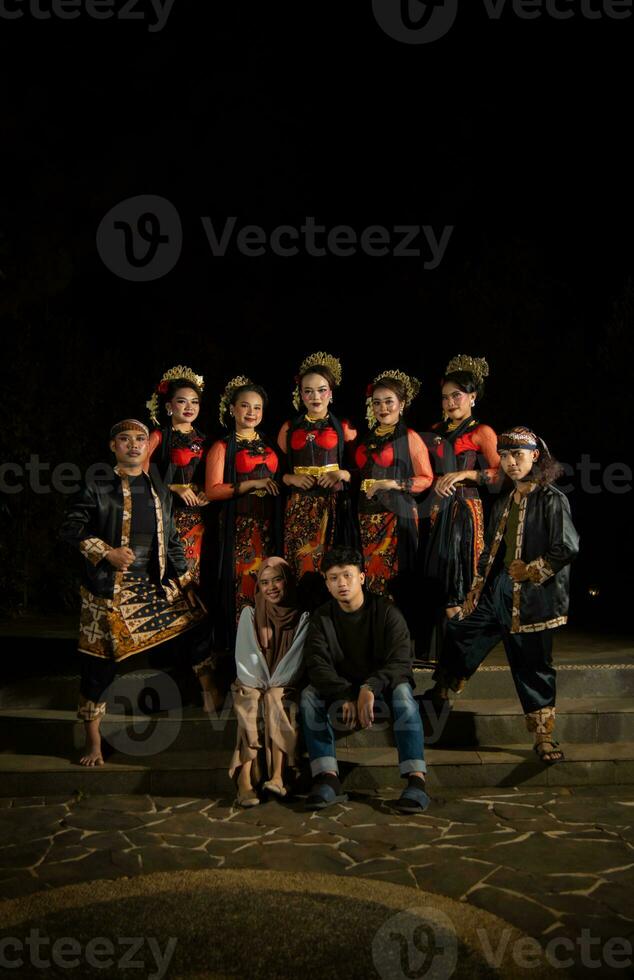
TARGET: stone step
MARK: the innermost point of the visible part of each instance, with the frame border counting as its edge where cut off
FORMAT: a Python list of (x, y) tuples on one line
[(574, 680), (470, 723), (203, 773)]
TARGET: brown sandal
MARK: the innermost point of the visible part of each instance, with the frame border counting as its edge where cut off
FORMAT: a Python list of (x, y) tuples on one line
[(548, 756)]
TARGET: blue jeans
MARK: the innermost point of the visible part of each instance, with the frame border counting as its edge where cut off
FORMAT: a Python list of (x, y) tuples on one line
[(319, 734)]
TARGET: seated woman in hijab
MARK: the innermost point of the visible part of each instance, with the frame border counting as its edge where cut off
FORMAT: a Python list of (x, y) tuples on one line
[(269, 645)]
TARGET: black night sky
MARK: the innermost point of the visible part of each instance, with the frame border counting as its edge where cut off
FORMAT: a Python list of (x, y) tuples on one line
[(515, 132)]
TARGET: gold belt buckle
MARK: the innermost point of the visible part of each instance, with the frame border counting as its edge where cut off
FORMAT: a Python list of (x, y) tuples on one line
[(259, 492), (315, 470)]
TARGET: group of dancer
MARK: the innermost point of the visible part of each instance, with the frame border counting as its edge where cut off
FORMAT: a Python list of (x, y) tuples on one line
[(312, 565)]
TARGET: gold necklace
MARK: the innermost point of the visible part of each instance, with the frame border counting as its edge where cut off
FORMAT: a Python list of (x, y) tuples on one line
[(385, 430)]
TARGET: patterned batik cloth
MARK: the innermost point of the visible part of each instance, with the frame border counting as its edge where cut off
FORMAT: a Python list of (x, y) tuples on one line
[(463, 547), (253, 543), (137, 618), (190, 527), (379, 539), (308, 530)]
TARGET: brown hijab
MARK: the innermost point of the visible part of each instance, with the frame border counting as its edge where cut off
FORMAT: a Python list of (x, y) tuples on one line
[(276, 623)]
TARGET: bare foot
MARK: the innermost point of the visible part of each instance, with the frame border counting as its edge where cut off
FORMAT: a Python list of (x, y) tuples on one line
[(92, 756), (548, 752), (92, 753)]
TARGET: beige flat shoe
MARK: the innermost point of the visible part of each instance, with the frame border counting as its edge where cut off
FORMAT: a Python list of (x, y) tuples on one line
[(248, 799), (274, 787)]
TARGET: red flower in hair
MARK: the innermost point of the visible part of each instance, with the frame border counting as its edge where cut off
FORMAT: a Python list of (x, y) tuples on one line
[(296, 379), (368, 391), (163, 387)]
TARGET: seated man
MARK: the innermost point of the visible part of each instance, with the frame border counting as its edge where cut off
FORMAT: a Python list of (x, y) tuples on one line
[(136, 591), (358, 651)]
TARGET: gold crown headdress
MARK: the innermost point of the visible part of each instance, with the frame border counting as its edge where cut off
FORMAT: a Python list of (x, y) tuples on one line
[(173, 374), (477, 366), (238, 382), (319, 359), (409, 382)]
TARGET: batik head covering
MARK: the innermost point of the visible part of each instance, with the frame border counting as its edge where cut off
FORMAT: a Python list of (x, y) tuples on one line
[(519, 437), (128, 424)]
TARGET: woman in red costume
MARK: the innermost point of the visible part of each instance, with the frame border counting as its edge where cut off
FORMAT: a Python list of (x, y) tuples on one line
[(318, 512), (241, 474), (465, 458), (393, 465), (176, 454)]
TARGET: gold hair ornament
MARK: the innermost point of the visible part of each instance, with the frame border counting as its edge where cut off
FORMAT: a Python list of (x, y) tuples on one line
[(238, 382), (410, 383), (319, 359), (173, 374), (477, 366)]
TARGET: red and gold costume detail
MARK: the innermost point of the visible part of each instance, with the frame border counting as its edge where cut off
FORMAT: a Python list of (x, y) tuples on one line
[(312, 447), (457, 523), (254, 511), (390, 453), (184, 463)]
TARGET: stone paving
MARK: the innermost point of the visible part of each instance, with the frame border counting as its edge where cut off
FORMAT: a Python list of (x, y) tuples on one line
[(551, 862)]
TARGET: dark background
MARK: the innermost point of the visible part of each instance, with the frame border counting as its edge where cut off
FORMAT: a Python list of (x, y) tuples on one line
[(516, 132)]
